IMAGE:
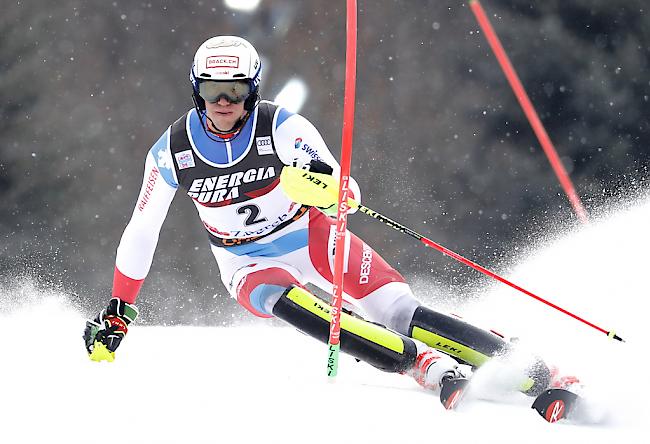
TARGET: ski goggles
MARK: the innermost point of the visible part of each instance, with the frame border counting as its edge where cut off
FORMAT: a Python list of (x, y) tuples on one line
[(234, 92)]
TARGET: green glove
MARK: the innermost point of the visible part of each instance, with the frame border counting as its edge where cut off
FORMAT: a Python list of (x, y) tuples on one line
[(105, 332)]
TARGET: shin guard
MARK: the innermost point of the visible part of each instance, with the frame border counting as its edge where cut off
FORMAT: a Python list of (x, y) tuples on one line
[(471, 345), (368, 342), (455, 337)]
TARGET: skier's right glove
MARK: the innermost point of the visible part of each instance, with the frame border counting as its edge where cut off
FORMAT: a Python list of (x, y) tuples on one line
[(105, 332)]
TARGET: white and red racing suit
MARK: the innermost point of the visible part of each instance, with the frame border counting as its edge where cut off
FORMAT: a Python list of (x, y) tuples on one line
[(262, 241)]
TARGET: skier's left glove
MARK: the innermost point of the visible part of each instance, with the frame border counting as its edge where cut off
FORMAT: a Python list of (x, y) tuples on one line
[(318, 166), (318, 189), (105, 332)]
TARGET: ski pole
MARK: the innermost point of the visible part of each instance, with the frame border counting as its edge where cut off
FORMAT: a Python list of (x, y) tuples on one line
[(333, 343), (429, 243), (320, 190)]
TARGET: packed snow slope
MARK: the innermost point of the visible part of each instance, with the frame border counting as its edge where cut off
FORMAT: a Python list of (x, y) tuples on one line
[(258, 383)]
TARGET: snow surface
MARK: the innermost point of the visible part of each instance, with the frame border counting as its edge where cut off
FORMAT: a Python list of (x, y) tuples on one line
[(264, 384)]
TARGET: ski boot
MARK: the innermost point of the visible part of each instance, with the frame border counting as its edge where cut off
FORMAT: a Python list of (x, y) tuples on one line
[(564, 382), (432, 368)]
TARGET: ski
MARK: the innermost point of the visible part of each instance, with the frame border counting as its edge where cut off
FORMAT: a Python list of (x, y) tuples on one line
[(553, 404), (452, 392), (556, 404)]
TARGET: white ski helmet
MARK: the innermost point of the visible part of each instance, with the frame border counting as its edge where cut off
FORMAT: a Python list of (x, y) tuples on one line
[(227, 58)]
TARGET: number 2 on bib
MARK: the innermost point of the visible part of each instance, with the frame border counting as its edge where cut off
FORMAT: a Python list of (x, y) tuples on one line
[(252, 212)]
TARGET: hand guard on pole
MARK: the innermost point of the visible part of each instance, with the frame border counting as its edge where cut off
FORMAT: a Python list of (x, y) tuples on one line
[(104, 333)]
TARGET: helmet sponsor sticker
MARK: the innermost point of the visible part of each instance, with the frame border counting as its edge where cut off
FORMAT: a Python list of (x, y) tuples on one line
[(264, 145), (185, 159), (222, 61)]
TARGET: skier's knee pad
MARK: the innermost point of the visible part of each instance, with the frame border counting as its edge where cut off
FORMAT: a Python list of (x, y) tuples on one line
[(399, 314), (455, 337), (368, 342), (258, 291)]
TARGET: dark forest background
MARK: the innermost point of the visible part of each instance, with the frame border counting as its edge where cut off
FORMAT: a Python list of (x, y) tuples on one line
[(440, 144)]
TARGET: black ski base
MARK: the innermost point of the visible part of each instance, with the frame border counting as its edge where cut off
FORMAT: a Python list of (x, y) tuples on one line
[(556, 404), (452, 391)]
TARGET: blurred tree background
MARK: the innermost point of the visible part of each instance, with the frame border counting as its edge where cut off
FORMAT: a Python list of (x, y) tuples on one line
[(441, 143)]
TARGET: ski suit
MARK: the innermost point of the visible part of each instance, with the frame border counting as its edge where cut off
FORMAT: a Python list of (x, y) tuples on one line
[(268, 247), (262, 241)]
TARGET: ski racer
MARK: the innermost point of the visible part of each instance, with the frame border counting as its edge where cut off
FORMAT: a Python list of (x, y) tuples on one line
[(226, 154)]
